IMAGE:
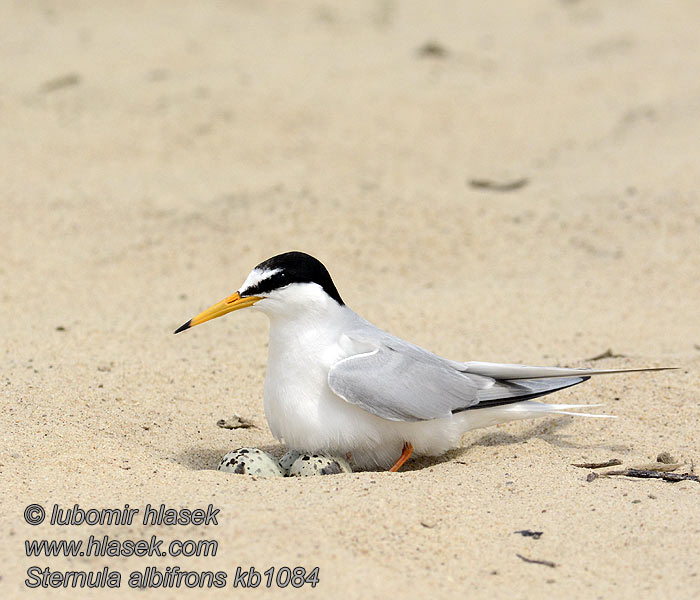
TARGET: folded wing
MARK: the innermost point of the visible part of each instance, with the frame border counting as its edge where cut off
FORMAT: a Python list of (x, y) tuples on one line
[(398, 381)]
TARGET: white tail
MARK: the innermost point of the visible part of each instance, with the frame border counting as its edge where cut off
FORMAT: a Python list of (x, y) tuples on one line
[(500, 371)]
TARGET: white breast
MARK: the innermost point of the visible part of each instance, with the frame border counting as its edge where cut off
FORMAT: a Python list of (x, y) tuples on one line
[(299, 405)]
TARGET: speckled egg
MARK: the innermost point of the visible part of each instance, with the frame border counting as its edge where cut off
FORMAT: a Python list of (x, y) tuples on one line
[(318, 464), (287, 460), (250, 461)]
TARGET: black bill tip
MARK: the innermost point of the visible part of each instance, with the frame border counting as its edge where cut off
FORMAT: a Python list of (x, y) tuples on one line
[(183, 327)]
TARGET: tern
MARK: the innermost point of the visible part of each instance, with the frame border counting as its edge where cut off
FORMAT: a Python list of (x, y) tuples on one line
[(337, 384)]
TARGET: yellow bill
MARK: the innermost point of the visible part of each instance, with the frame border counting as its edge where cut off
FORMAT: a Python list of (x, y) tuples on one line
[(227, 305)]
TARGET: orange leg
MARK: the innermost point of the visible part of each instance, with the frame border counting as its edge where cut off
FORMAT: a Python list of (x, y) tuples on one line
[(405, 455)]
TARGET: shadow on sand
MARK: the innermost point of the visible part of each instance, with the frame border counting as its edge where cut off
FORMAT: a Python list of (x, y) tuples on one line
[(205, 458)]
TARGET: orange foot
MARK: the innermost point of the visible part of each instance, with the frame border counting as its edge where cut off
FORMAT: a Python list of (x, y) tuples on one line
[(405, 455)]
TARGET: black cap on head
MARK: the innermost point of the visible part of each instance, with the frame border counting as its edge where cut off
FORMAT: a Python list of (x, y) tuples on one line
[(294, 267)]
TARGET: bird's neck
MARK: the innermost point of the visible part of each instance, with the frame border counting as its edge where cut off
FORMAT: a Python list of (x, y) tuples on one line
[(311, 325)]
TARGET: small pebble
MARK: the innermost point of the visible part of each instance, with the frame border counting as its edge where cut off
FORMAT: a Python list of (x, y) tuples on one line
[(665, 457)]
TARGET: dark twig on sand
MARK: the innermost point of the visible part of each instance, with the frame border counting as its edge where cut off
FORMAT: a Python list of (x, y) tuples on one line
[(58, 83), (592, 465), (432, 49), (498, 186), (546, 563), (535, 535), (649, 474)]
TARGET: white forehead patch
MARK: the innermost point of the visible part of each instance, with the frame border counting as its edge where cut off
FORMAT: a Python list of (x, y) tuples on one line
[(256, 276)]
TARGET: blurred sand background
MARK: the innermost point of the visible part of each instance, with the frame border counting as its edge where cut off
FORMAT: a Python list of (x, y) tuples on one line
[(153, 153)]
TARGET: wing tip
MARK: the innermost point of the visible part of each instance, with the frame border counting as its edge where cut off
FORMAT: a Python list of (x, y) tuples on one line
[(522, 397)]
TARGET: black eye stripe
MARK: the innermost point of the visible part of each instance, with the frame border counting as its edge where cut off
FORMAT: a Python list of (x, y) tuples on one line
[(293, 267), (273, 282)]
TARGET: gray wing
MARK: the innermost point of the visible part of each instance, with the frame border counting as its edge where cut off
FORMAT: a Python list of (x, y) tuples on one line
[(398, 381)]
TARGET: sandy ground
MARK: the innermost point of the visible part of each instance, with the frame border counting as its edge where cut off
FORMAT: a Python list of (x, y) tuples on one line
[(152, 153)]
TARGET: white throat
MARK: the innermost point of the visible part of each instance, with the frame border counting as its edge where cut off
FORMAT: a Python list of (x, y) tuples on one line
[(305, 304)]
